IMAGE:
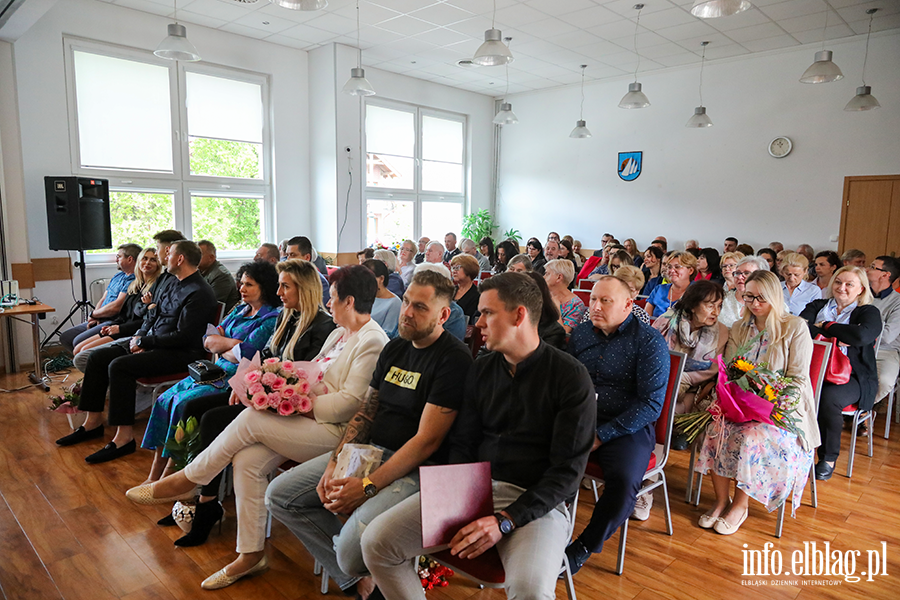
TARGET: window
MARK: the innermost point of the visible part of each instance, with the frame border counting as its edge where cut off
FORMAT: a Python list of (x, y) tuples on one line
[(415, 172), (185, 146)]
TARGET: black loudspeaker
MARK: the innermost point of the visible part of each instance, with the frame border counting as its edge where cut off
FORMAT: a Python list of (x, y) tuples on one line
[(78, 213)]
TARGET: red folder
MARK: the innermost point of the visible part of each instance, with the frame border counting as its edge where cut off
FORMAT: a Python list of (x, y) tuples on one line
[(452, 496)]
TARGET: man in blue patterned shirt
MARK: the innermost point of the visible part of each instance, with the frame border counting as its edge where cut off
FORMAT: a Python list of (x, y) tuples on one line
[(629, 364)]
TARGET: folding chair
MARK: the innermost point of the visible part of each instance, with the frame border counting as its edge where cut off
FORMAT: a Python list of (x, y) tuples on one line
[(890, 409), (584, 295), (485, 275), (860, 417), (658, 459), (487, 569), (586, 284)]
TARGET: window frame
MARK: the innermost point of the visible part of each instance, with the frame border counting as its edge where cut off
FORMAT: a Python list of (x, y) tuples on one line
[(416, 195), (180, 182)]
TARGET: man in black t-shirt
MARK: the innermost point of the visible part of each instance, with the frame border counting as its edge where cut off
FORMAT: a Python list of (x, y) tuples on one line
[(416, 390)]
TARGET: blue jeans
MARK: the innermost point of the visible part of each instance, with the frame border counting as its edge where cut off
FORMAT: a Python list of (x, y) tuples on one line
[(293, 500)]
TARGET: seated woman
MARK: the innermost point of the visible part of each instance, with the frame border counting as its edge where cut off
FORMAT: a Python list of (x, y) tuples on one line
[(486, 247), (393, 282), (520, 263), (632, 249), (535, 251), (249, 325), (681, 272), (708, 266), (634, 279), (559, 274), (386, 310), (300, 331), (575, 253), (731, 301), (549, 328), (692, 327), (827, 262), (131, 316), (505, 251), (797, 291), (770, 257), (849, 316), (406, 261), (464, 269), (652, 269), (258, 441), (566, 251), (767, 463)]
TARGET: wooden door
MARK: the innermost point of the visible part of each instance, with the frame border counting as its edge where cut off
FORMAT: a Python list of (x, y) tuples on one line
[(870, 215)]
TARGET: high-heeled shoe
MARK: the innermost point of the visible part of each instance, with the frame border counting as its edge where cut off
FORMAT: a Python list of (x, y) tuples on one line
[(220, 579), (167, 521), (206, 515), (143, 494)]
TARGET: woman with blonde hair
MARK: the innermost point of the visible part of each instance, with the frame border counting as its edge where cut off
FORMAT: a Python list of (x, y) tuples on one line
[(847, 315), (680, 272), (558, 274), (797, 291), (634, 279), (767, 463), (131, 315), (631, 248)]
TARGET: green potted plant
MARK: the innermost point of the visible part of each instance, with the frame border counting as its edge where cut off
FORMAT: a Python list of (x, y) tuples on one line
[(478, 225)]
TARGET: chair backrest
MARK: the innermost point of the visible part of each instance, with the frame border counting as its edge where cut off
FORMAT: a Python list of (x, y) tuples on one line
[(817, 367), (878, 339), (584, 295), (98, 287), (476, 341), (642, 302), (666, 420), (586, 284), (220, 314), (485, 275)]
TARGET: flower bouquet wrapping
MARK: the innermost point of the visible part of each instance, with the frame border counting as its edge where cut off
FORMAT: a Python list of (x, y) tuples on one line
[(67, 404), (281, 386), (745, 392)]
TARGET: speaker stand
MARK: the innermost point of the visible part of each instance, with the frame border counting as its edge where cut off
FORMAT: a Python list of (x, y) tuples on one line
[(84, 305)]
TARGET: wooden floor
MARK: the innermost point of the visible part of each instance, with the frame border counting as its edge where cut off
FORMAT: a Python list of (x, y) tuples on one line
[(67, 531)]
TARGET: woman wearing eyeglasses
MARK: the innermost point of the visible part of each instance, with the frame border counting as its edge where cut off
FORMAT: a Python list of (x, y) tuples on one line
[(732, 305), (681, 272), (849, 316), (767, 463)]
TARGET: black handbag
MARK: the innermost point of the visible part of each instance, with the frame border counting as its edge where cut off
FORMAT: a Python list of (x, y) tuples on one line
[(206, 371)]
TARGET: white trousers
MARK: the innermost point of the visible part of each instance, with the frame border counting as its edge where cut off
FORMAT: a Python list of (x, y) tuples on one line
[(256, 442)]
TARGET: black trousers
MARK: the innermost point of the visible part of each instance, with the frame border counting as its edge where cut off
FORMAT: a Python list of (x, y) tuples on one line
[(114, 368), (624, 461), (214, 414), (832, 401)]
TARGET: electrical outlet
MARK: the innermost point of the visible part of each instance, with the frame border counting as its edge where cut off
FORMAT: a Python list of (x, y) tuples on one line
[(54, 320)]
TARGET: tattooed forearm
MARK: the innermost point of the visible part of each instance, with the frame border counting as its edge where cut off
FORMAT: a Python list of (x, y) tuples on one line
[(359, 427)]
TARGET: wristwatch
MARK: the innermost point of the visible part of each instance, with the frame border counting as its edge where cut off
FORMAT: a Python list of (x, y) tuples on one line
[(369, 488), (506, 525)]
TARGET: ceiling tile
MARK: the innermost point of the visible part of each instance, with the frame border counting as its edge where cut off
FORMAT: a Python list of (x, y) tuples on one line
[(536, 48), (694, 44), (265, 22), (369, 14), (756, 32), (405, 25), (858, 11), (334, 23), (283, 40), (772, 43), (807, 22), (667, 18), (480, 7), (404, 6), (442, 14), (297, 16), (547, 28), (667, 49), (214, 8), (410, 46), (742, 19), (307, 34), (574, 39), (591, 17), (474, 27), (377, 36), (189, 17), (150, 7), (794, 8), (675, 60), (645, 39), (879, 24), (249, 32), (686, 31), (559, 7), (518, 15), (626, 7), (442, 37), (615, 30), (834, 32), (725, 51), (601, 49)]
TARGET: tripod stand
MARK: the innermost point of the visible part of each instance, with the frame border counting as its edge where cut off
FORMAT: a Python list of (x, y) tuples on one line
[(84, 305)]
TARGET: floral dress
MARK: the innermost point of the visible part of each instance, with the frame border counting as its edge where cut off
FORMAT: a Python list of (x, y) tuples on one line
[(168, 409), (572, 311), (768, 463)]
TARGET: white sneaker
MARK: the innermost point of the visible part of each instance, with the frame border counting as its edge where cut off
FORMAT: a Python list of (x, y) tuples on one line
[(642, 507)]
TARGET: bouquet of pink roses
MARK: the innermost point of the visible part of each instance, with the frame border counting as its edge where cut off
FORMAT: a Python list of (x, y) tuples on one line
[(283, 387)]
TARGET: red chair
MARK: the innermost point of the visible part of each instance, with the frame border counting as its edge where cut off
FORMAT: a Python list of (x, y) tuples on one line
[(658, 459), (585, 296), (642, 302), (485, 275), (586, 284)]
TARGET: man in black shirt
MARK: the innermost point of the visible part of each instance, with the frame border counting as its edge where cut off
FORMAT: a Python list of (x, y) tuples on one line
[(170, 338), (529, 410), (415, 393)]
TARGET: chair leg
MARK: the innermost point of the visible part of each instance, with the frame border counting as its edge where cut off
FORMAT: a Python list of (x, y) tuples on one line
[(779, 524), (570, 584), (699, 489), (871, 419), (689, 492), (623, 537), (812, 492), (890, 409), (665, 490), (852, 445), (324, 588), (317, 568), (596, 494)]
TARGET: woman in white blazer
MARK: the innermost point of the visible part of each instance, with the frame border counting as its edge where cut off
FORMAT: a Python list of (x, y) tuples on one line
[(258, 441)]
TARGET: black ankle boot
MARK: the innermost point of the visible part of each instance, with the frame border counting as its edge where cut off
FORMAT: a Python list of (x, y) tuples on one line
[(206, 515)]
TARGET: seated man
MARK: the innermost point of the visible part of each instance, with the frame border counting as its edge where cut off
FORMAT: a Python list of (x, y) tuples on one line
[(434, 253), (218, 276), (300, 247), (882, 274), (269, 253), (457, 321), (110, 303), (631, 386), (414, 396), (529, 410), (420, 255), (170, 338), (450, 243), (468, 247), (854, 257)]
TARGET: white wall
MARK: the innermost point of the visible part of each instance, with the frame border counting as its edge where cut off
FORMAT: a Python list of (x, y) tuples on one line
[(704, 183), (42, 113)]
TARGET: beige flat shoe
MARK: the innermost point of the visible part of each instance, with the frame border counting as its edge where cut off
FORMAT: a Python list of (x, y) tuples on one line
[(706, 521), (724, 528), (143, 494), (219, 579)]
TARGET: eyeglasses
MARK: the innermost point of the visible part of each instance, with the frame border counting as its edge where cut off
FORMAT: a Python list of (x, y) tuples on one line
[(456, 268), (742, 273), (750, 299), (873, 267)]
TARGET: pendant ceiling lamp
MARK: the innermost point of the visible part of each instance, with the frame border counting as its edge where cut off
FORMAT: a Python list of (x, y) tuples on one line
[(710, 9), (823, 70), (506, 116), (581, 131), (358, 85), (635, 98), (307, 5), (700, 118), (864, 100), (176, 45), (493, 52)]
